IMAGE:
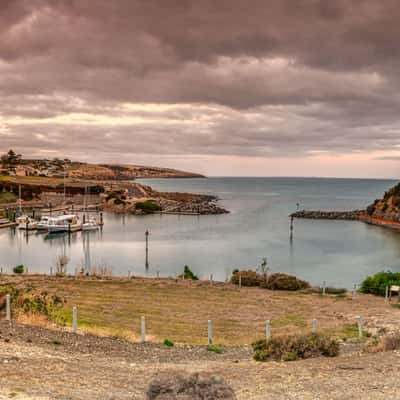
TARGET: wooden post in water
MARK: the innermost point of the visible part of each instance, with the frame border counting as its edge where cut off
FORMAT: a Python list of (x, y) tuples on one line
[(268, 329), (209, 332), (291, 228), (74, 320), (143, 329), (147, 249), (8, 308)]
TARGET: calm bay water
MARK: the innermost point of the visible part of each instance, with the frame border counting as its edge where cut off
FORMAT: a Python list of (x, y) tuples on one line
[(339, 252)]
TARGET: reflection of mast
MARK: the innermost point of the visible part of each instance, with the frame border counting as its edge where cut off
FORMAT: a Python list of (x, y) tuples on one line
[(20, 199), (86, 252)]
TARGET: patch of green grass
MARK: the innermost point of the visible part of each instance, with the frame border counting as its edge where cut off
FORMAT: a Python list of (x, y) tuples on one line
[(215, 349), (396, 305), (7, 197), (290, 319)]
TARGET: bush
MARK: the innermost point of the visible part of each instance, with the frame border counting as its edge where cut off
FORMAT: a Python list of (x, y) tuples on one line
[(168, 343), (284, 282), (188, 274), (376, 284), (249, 278), (19, 269), (291, 348), (148, 206)]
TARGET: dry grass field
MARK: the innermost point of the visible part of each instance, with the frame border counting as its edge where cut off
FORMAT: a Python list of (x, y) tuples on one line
[(179, 310)]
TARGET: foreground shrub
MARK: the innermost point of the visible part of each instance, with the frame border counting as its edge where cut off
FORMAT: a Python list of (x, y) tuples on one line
[(148, 206), (291, 348), (168, 343), (284, 282), (19, 269), (188, 274), (170, 386), (249, 278), (376, 284)]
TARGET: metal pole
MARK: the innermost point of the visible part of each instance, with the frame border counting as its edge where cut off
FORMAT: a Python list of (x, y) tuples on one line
[(209, 333), (147, 249), (324, 288), (314, 326), (360, 326)]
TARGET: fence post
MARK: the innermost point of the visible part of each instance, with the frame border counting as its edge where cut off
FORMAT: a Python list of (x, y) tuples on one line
[(314, 325), (8, 308), (143, 329), (360, 326), (209, 341), (354, 291), (323, 288), (211, 278), (74, 320), (268, 329), (386, 293), (240, 280)]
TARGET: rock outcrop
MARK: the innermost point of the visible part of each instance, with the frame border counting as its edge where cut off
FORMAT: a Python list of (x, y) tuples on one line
[(387, 208), (341, 215)]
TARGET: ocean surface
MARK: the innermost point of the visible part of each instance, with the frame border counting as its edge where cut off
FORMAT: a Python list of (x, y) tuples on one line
[(341, 253)]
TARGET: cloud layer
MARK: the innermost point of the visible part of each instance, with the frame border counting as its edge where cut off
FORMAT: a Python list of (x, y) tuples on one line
[(143, 79)]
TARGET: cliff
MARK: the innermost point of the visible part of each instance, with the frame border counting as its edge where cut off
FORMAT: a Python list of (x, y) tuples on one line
[(387, 208)]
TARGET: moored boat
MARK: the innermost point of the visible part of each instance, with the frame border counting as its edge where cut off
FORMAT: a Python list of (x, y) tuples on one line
[(26, 223), (65, 223), (91, 225)]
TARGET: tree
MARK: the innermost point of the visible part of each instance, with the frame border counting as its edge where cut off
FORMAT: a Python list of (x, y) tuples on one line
[(11, 159)]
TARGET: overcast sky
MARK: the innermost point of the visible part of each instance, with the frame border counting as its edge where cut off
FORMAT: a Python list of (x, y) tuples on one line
[(222, 87)]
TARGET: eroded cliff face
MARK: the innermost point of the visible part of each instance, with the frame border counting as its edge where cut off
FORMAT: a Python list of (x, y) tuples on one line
[(387, 208)]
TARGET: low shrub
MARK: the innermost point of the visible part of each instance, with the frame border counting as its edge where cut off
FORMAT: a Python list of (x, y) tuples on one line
[(19, 269), (214, 348), (188, 274), (168, 343), (148, 206), (248, 278), (281, 281), (291, 348), (376, 284)]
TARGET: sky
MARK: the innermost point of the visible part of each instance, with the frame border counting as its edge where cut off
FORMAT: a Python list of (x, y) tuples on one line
[(227, 87)]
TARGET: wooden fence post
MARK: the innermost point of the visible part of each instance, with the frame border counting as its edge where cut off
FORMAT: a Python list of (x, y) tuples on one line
[(74, 320), (360, 326), (240, 280), (314, 325), (268, 329), (386, 294), (209, 341), (8, 308), (143, 329), (323, 288)]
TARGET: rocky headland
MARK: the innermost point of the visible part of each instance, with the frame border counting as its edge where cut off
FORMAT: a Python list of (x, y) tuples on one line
[(383, 212)]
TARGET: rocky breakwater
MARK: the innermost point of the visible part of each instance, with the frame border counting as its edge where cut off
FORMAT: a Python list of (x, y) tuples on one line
[(134, 198), (338, 215)]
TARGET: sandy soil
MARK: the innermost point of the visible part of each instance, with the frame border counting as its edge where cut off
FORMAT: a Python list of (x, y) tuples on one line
[(41, 364)]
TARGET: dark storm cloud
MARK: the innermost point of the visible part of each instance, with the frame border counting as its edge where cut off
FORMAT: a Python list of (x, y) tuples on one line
[(241, 78)]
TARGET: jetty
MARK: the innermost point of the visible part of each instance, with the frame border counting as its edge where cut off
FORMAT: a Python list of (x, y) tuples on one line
[(354, 215)]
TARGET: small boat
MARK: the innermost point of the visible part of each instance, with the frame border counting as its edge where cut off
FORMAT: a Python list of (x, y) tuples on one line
[(43, 224), (65, 223), (26, 223), (91, 225)]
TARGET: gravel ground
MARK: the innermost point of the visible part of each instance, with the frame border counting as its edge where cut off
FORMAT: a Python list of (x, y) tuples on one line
[(42, 364)]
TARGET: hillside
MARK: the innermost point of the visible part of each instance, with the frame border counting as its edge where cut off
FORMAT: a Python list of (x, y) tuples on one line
[(387, 208)]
